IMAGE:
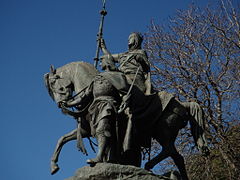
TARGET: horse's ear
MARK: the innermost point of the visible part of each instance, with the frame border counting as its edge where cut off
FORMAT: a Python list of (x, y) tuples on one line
[(52, 69)]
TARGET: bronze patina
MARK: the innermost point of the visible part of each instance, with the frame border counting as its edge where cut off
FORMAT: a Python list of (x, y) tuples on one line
[(96, 98)]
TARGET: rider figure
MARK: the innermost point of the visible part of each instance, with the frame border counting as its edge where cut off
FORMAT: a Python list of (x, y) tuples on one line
[(135, 66), (129, 62)]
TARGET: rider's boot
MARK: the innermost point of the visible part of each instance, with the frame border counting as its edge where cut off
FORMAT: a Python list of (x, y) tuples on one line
[(102, 146), (103, 136)]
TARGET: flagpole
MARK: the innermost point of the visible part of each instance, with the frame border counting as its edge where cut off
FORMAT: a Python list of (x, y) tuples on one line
[(103, 13)]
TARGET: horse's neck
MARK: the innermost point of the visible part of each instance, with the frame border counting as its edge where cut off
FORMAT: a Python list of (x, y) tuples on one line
[(77, 80), (82, 77), (76, 84)]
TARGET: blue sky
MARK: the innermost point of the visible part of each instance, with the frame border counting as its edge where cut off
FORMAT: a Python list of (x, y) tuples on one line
[(37, 33)]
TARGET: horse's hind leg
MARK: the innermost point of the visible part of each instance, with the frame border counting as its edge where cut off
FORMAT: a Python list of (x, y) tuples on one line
[(179, 161), (64, 139), (161, 156)]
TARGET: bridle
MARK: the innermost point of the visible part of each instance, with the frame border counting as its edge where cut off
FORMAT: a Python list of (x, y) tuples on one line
[(75, 112)]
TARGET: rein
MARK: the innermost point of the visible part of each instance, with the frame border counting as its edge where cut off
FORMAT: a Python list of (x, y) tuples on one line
[(76, 113), (71, 98)]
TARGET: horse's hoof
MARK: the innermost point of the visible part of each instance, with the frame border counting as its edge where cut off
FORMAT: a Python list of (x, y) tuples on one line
[(205, 151), (91, 162), (54, 169), (94, 161), (148, 167)]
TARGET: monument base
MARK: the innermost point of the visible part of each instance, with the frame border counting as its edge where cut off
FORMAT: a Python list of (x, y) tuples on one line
[(108, 171)]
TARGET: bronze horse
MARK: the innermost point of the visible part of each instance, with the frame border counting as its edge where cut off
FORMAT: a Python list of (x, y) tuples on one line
[(159, 116), (61, 83)]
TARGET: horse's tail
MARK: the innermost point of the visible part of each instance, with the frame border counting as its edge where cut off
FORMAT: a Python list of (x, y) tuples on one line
[(197, 125)]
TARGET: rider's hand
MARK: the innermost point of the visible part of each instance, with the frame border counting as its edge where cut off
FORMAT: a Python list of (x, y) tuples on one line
[(62, 104), (102, 43), (102, 58), (126, 98)]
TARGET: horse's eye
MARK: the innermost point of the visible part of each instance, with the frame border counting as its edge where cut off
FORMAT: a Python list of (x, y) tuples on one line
[(52, 83), (57, 77)]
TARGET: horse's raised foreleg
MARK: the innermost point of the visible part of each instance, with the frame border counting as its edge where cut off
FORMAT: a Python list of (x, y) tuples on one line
[(64, 139)]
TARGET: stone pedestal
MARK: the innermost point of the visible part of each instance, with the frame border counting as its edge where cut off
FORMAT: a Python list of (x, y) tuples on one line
[(108, 171)]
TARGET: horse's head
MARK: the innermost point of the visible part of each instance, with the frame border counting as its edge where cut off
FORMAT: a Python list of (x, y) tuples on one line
[(59, 87)]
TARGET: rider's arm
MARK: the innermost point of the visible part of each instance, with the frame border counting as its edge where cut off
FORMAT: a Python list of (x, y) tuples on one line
[(115, 57), (148, 83), (73, 103), (81, 98), (143, 60)]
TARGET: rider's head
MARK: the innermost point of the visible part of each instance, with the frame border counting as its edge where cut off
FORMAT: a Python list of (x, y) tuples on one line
[(134, 41)]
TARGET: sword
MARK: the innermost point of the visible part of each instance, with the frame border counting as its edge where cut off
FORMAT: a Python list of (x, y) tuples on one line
[(124, 102)]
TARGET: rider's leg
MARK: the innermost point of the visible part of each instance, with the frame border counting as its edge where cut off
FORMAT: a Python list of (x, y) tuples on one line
[(103, 137)]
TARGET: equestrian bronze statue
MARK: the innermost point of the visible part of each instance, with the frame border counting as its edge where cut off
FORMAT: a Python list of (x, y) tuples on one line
[(121, 110)]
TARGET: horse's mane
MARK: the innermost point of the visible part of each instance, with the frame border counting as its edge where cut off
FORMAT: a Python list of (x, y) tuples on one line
[(84, 65), (81, 69)]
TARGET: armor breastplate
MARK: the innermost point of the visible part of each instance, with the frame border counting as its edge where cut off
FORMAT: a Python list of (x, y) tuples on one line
[(102, 87)]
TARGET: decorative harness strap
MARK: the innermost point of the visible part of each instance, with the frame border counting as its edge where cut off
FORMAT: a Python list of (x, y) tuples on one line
[(80, 144)]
